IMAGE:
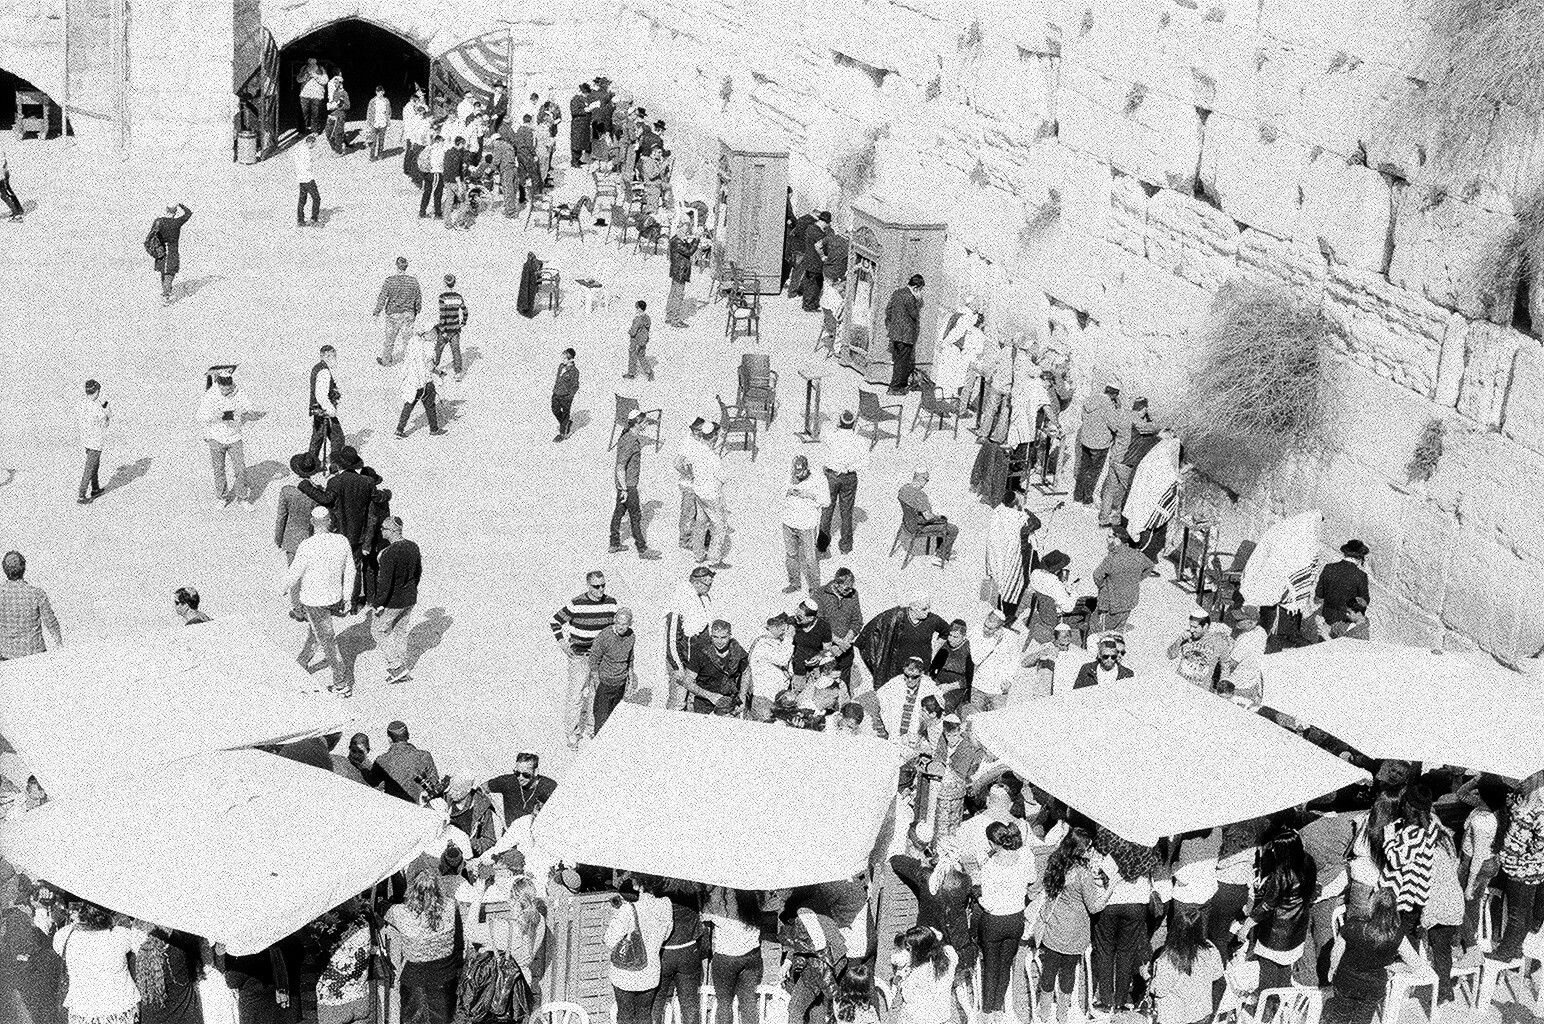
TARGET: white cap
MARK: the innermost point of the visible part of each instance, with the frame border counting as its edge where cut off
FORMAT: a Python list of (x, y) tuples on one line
[(321, 512)]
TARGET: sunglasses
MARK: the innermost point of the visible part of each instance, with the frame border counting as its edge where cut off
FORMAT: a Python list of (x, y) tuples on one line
[(1109, 656), (525, 775)]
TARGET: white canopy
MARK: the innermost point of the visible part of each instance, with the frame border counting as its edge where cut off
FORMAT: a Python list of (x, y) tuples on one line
[(93, 710), (1154, 756), (1280, 570), (1413, 704), (722, 801), (241, 847)]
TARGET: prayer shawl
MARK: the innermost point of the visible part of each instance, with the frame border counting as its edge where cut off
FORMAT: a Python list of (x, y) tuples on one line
[(1005, 551), (530, 280), (1154, 492)]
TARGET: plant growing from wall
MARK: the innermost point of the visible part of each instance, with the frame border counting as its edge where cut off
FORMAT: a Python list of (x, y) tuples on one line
[(935, 88), (1040, 216), (1428, 452), (856, 167), (1087, 24), (978, 175), (1134, 97), (1259, 391), (971, 38), (726, 89), (1499, 269)]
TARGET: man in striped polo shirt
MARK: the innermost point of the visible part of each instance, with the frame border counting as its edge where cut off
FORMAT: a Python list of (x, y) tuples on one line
[(453, 317), (574, 627)]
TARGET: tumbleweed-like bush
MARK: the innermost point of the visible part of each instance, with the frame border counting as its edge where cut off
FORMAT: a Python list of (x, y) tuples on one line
[(1260, 389)]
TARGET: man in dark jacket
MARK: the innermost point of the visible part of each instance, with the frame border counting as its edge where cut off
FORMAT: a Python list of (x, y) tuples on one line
[(1106, 668), (903, 320), (579, 107), (841, 610), (405, 766), (814, 241), (1340, 581), (29, 968), (455, 169), (715, 676), (351, 495), (683, 246), (396, 592), (529, 162), (898, 634)]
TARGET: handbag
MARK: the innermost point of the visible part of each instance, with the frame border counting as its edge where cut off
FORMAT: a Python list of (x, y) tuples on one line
[(493, 989), (155, 245), (629, 955)]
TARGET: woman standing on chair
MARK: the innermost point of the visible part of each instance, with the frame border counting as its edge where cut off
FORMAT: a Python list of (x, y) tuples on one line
[(1282, 903), (736, 967), (1075, 890), (1361, 957)]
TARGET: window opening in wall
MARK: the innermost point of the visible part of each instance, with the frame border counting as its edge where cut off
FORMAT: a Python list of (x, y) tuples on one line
[(1522, 312)]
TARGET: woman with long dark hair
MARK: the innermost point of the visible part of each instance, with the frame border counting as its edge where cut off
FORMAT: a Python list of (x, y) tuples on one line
[(1409, 851), (426, 926), (1360, 959), (924, 972), (680, 959), (1006, 876), (1443, 915), (1366, 859), (1075, 890), (736, 967), (1185, 974), (1120, 934), (1282, 904)]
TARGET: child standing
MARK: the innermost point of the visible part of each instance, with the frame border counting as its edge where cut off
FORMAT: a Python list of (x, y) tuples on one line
[(638, 343), (453, 317), (564, 387)]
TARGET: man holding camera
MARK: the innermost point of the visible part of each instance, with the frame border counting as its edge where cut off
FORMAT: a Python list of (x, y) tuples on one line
[(714, 673), (222, 412)]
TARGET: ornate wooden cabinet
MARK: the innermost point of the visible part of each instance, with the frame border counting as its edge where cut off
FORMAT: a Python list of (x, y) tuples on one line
[(887, 247), (748, 211)]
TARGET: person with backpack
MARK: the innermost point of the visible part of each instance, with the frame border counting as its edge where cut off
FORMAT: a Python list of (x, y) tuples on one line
[(640, 921), (164, 245)]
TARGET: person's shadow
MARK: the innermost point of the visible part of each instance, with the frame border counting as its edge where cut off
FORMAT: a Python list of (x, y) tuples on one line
[(352, 642), (470, 356), (358, 438), (649, 510), (263, 474), (193, 286), (427, 634), (125, 475), (449, 409), (578, 421), (325, 215)]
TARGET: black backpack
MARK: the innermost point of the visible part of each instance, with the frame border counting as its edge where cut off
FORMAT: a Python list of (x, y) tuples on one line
[(155, 245)]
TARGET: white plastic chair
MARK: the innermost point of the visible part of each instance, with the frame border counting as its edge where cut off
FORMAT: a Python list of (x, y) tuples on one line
[(1401, 984), (707, 1003), (772, 1002), (1492, 917), (598, 293), (565, 1013)]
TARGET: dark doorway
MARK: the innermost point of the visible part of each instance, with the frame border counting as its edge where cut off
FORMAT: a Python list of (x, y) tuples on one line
[(367, 54), (10, 85)]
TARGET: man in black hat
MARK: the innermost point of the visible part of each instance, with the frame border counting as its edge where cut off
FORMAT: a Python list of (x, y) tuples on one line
[(814, 242), (293, 524), (350, 494), (1340, 581)]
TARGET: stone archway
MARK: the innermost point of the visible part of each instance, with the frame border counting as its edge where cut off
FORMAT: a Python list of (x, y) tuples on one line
[(367, 53)]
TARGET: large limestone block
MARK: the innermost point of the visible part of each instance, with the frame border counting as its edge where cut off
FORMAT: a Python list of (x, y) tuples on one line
[(1303, 269), (1324, 98), (1210, 63), (1393, 332), (1439, 243), (1073, 268), (1156, 315), (1126, 225), (1379, 31), (1088, 105), (1188, 238), (1346, 213), (1523, 411), (1492, 596), (1423, 561), (1491, 486), (1253, 171), (1486, 353), (1375, 424)]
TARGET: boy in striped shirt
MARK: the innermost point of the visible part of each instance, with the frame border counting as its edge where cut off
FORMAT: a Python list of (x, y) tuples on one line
[(453, 317), (574, 627)]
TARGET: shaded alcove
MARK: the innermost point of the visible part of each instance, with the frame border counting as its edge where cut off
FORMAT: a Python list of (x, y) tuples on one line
[(367, 54)]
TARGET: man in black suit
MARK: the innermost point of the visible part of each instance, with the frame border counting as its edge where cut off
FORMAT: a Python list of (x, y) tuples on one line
[(351, 495), (903, 318), (1340, 581), (1106, 668)]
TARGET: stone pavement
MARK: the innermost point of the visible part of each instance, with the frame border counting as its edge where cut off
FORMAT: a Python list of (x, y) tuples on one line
[(507, 520)]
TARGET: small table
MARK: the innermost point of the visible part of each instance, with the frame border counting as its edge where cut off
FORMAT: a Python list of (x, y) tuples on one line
[(811, 431)]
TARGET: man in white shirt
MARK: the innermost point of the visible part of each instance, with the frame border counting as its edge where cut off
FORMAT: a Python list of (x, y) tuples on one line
[(691, 609), (770, 654), (996, 650), (324, 568), (710, 535), (94, 420), (378, 119), (305, 178), (434, 179), (1241, 667), (222, 412), (846, 455), (1057, 663), (900, 703), (805, 498), (970, 840)]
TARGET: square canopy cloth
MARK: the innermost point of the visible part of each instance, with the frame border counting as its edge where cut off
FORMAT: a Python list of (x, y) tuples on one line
[(1154, 756), (93, 710), (239, 846), (723, 801), (1413, 704)]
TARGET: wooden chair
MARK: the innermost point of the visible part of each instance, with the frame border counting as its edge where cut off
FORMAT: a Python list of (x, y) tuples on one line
[(735, 420), (552, 283), (541, 204), (757, 393), (876, 415), (744, 319), (565, 213), (911, 537), (618, 217), (654, 243), (934, 407), (830, 327), (625, 407), (1222, 574)]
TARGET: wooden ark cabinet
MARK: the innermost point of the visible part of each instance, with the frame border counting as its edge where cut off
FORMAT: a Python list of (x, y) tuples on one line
[(750, 202), (886, 247)]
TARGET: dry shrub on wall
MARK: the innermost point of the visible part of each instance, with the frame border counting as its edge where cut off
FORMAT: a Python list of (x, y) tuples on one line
[(856, 166), (1260, 390), (1499, 268), (1428, 452), (1484, 104)]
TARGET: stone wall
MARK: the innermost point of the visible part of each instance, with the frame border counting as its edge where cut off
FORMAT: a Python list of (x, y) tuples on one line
[(1105, 165)]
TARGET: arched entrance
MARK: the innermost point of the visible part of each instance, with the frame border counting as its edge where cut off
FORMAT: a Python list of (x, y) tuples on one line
[(367, 54), (10, 86)]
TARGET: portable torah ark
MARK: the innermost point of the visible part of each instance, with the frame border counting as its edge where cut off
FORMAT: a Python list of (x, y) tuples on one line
[(886, 248), (751, 199)]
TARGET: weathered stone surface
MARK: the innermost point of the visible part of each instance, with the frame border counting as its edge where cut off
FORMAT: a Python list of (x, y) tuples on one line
[(1440, 241), (1386, 329), (1190, 239), (1488, 354), (1267, 258), (1421, 566), (1523, 411), (1346, 212), (1253, 171), (1127, 223)]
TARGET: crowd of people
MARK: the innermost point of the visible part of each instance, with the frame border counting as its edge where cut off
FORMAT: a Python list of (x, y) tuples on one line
[(1009, 882)]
